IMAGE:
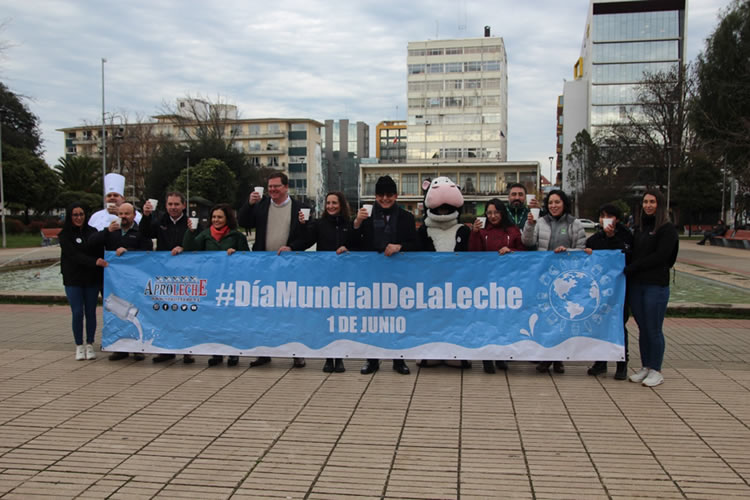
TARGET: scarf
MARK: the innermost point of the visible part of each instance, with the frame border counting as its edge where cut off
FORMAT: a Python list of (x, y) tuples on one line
[(384, 232), (218, 234)]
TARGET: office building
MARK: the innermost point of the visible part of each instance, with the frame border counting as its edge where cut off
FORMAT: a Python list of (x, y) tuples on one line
[(622, 40), (457, 93), (344, 146), (390, 142)]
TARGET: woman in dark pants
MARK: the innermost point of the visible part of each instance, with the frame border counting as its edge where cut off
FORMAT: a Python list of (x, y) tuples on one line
[(333, 232), (221, 235), (655, 247), (499, 235), (612, 235), (81, 264)]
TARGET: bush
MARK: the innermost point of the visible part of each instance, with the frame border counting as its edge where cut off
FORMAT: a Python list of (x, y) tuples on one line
[(35, 226), (14, 226)]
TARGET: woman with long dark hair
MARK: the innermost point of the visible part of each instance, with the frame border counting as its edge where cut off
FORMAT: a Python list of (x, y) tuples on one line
[(655, 247), (81, 264), (557, 231), (500, 235), (333, 232), (221, 235)]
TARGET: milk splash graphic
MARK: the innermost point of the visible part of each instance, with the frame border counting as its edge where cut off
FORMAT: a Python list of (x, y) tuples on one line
[(125, 311)]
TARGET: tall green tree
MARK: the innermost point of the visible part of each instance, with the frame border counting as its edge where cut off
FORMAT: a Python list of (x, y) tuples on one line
[(721, 111), (80, 180), (20, 126), (210, 179), (29, 183)]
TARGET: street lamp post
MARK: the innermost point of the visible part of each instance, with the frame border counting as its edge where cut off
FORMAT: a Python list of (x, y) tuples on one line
[(551, 171), (2, 189), (104, 142), (187, 175)]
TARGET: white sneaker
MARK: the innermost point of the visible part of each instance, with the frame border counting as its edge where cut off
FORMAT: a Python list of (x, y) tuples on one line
[(639, 376), (90, 352), (654, 378), (80, 356)]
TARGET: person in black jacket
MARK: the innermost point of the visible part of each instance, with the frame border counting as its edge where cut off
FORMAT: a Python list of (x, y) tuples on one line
[(81, 264), (333, 232), (169, 231), (389, 230), (276, 224), (612, 235), (655, 247), (123, 236)]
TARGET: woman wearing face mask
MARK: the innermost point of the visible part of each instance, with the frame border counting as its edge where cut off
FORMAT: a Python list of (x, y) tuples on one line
[(557, 231), (221, 235), (655, 247), (81, 264), (500, 235), (333, 232)]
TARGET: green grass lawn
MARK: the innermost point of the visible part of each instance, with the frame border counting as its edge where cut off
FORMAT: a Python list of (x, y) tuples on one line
[(23, 240)]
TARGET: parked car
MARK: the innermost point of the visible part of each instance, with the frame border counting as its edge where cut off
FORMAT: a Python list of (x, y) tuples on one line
[(587, 223)]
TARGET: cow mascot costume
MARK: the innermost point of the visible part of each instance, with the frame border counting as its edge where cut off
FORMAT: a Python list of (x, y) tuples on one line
[(442, 232)]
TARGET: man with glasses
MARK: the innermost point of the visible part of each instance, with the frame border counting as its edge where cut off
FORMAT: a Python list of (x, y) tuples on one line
[(276, 222)]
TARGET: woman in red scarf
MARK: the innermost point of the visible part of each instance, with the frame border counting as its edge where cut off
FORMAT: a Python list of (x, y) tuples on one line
[(221, 235), (500, 235)]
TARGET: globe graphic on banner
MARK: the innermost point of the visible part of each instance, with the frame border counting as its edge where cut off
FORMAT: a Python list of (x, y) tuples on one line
[(574, 295)]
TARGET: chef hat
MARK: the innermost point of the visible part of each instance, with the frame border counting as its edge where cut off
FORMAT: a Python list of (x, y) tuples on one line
[(114, 183)]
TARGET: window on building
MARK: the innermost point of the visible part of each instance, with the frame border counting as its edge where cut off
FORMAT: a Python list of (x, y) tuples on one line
[(255, 161), (274, 128), (416, 103), (297, 127), (487, 183), (434, 102), (491, 65), (453, 84), (455, 67), (416, 52), (472, 66), (416, 86), (410, 184), (473, 83), (491, 83), (253, 146), (272, 161), (416, 69), (468, 183), (71, 135), (528, 179), (453, 51), (434, 52), (434, 86), (273, 146), (435, 68), (254, 129)]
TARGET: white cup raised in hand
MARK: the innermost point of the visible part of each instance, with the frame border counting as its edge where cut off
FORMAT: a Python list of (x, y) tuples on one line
[(194, 222), (535, 213), (368, 207), (110, 205), (483, 221), (530, 198), (305, 213), (154, 203), (259, 190), (608, 222), (119, 221)]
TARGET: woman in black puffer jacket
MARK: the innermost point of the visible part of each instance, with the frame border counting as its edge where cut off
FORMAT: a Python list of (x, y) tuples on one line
[(81, 264), (333, 232)]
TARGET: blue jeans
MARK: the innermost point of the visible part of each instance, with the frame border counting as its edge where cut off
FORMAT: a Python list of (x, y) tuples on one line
[(82, 301), (648, 303)]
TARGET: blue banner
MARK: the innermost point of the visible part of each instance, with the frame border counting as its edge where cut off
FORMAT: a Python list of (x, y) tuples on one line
[(474, 305)]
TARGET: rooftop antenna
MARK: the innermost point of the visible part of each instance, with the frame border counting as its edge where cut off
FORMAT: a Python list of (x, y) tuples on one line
[(462, 16)]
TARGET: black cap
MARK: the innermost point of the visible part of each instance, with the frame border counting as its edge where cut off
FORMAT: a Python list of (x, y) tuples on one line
[(385, 185)]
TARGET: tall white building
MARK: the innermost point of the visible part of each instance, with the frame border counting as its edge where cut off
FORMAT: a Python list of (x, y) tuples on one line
[(457, 100), (622, 40)]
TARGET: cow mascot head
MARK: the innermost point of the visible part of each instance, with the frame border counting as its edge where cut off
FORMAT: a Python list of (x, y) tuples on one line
[(442, 202)]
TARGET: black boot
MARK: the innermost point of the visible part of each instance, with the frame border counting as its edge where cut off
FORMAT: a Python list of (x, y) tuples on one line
[(597, 368), (261, 360), (339, 366), (233, 360), (399, 365), (328, 366), (488, 367), (622, 370), (370, 366), (543, 366), (215, 360), (558, 367), (501, 365)]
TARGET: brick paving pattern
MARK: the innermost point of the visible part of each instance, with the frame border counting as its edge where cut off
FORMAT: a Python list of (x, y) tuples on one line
[(101, 429)]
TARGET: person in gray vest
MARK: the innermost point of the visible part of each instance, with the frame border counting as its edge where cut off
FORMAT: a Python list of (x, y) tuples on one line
[(276, 223)]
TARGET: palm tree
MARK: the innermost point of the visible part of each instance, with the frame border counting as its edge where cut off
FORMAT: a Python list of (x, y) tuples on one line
[(80, 177)]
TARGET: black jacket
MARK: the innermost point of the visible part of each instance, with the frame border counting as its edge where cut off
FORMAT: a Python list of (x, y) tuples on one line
[(328, 232), (133, 239), (168, 234), (405, 235), (621, 240), (256, 216), (654, 253), (79, 251)]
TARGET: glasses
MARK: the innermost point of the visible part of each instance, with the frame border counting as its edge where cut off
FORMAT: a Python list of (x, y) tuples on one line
[(274, 186)]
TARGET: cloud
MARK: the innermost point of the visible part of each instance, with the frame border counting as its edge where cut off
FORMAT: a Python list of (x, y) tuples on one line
[(289, 58)]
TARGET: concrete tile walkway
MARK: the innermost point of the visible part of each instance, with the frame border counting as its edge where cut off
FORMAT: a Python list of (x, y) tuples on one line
[(101, 429)]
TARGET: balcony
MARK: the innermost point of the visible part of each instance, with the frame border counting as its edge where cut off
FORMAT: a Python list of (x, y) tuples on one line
[(261, 135), (266, 152)]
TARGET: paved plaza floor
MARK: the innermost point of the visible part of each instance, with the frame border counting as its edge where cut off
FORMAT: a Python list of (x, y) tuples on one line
[(101, 429)]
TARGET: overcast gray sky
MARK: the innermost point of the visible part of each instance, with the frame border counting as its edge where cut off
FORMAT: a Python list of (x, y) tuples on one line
[(286, 58)]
